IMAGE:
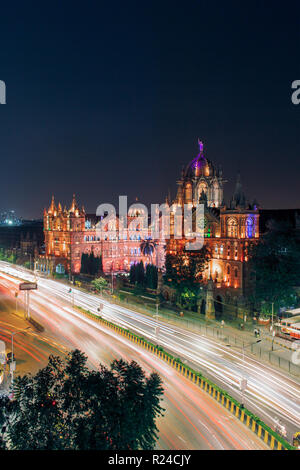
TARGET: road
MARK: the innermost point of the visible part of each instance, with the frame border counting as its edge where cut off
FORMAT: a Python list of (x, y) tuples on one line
[(193, 420), (269, 392)]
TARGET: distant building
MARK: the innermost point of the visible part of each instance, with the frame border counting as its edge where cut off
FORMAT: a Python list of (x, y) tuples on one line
[(9, 218)]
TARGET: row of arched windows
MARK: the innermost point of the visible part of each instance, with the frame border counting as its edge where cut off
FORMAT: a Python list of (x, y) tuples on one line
[(232, 228)]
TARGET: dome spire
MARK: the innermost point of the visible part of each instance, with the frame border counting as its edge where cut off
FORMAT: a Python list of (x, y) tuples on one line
[(200, 143)]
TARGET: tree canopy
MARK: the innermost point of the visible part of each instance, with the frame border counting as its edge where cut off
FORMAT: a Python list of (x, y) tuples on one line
[(99, 284), (67, 406), (144, 277), (185, 269), (91, 264), (275, 259)]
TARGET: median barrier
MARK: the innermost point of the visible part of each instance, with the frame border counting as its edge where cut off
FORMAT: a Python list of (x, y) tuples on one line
[(262, 430)]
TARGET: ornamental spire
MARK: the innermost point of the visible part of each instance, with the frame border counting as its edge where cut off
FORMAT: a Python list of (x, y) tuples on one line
[(52, 207), (74, 204), (200, 143)]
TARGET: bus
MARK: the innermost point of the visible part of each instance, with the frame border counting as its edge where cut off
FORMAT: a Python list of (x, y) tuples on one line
[(289, 328)]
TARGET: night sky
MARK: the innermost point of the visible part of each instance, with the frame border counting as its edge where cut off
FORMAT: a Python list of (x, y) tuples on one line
[(109, 98)]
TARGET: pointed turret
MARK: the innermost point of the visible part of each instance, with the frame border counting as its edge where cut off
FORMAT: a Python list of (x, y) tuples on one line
[(52, 207), (59, 208), (74, 205)]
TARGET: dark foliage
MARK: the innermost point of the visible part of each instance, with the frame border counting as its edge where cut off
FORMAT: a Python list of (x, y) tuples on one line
[(275, 259), (67, 406), (91, 264)]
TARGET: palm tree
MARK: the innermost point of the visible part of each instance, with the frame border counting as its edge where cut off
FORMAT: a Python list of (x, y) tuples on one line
[(147, 248)]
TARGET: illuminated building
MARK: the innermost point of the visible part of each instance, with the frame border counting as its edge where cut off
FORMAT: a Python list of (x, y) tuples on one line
[(71, 232), (228, 229)]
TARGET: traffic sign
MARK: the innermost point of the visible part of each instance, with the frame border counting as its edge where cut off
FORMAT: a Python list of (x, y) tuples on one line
[(28, 285)]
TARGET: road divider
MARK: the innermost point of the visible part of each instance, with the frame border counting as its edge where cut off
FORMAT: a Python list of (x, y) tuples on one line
[(261, 429), (36, 324)]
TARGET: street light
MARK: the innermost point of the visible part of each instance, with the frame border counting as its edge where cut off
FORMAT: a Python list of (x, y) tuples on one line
[(12, 362), (273, 334), (16, 296)]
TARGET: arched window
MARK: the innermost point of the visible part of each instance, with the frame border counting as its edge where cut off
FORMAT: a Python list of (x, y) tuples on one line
[(188, 192), (236, 272), (216, 194), (202, 186), (232, 228), (228, 270)]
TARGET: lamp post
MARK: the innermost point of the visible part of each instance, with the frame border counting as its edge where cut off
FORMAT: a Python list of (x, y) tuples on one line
[(273, 334), (112, 277), (12, 361), (16, 296)]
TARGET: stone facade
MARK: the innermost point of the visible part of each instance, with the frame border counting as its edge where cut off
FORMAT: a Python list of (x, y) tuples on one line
[(70, 233), (228, 230)]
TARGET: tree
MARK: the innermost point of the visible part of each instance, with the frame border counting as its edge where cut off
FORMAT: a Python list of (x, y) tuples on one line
[(148, 247), (275, 260), (67, 406), (140, 273), (132, 274), (91, 264), (187, 298), (151, 276), (185, 269), (99, 284)]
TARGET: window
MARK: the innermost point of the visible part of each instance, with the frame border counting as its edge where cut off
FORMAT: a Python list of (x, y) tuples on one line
[(232, 228), (188, 192), (249, 228), (236, 272)]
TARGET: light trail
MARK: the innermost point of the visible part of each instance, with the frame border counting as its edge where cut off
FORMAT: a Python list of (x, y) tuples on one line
[(270, 393)]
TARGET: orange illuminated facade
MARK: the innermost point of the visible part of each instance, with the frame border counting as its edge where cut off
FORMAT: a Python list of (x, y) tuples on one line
[(70, 233), (228, 229)]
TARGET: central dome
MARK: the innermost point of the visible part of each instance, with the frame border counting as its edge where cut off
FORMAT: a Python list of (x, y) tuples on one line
[(199, 165)]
